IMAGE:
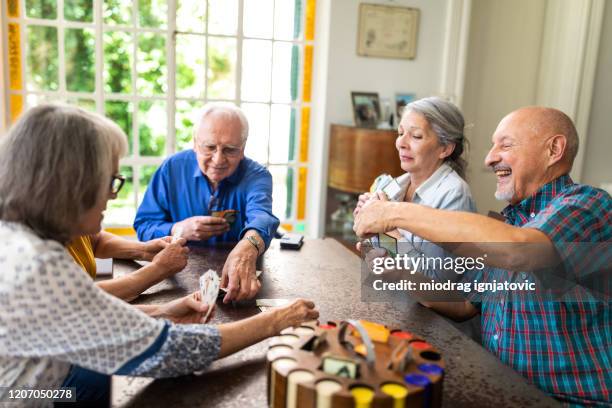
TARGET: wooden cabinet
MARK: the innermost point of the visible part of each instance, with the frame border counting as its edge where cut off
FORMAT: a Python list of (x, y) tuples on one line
[(356, 157)]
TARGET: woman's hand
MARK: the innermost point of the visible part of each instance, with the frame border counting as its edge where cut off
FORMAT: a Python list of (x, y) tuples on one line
[(188, 309), (294, 314), (153, 247), (173, 258)]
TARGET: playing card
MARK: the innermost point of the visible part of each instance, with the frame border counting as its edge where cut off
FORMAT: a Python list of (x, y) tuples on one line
[(229, 215), (267, 304), (272, 302), (380, 183), (209, 289), (177, 234), (389, 243), (392, 189)]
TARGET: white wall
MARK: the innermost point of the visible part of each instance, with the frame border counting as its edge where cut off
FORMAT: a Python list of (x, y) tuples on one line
[(350, 72), (346, 71), (501, 75), (597, 168)]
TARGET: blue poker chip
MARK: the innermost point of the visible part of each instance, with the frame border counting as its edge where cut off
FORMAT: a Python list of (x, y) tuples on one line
[(433, 369), (417, 379)]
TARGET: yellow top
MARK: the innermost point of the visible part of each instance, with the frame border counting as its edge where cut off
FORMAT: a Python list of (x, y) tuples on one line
[(82, 252)]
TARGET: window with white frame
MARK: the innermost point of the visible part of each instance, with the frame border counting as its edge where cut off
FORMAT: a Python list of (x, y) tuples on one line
[(150, 65)]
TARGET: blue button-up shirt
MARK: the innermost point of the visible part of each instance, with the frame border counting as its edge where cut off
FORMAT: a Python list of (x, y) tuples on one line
[(180, 190)]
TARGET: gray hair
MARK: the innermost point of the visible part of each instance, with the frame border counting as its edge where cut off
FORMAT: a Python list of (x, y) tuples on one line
[(229, 112), (56, 162), (448, 124)]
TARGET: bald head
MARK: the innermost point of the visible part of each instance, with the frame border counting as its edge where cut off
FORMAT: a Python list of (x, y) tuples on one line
[(546, 122), (531, 147)]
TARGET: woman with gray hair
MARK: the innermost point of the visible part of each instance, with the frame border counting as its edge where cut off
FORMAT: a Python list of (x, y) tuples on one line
[(58, 169), (430, 143)]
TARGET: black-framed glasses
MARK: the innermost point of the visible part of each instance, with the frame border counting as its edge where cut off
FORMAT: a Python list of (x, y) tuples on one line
[(117, 182)]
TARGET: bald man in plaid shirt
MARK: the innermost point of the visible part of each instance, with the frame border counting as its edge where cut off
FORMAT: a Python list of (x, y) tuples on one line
[(561, 344)]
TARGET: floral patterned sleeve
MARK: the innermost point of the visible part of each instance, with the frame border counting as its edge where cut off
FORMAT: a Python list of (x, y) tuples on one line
[(187, 348)]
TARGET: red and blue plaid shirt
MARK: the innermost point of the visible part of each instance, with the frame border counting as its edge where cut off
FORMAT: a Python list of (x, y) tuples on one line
[(562, 347)]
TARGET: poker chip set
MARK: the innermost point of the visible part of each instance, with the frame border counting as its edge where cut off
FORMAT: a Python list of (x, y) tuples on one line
[(352, 364)]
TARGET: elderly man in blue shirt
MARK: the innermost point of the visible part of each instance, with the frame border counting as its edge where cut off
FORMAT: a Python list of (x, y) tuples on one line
[(191, 185)]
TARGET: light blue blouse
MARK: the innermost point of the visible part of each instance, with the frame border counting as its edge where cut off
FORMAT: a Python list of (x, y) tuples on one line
[(444, 190)]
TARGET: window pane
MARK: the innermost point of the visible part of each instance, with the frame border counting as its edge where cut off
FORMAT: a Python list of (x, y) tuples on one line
[(280, 123), (191, 15), (258, 115), (222, 16), (144, 178), (122, 113), (257, 21), (35, 100), (41, 9), (121, 211), (185, 115), (118, 62), (78, 10), (152, 128), (256, 66), (280, 198), (190, 65), (118, 12), (221, 68), (151, 64), (42, 58), (284, 19), (281, 72), (87, 104), (152, 13), (80, 60)]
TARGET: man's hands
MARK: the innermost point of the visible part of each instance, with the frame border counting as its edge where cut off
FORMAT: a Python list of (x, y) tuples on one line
[(239, 273), (373, 217), (188, 309), (201, 227), (173, 258)]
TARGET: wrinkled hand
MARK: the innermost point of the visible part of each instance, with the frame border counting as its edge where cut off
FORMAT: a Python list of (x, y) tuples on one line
[(374, 217), (201, 227), (239, 273), (188, 309), (367, 197), (294, 314), (173, 258), (151, 248), (363, 198)]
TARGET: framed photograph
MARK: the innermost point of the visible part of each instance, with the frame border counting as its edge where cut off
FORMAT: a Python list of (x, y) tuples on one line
[(366, 109), (401, 100), (387, 31)]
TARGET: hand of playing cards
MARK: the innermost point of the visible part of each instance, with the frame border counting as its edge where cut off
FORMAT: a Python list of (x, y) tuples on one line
[(209, 289), (202, 227)]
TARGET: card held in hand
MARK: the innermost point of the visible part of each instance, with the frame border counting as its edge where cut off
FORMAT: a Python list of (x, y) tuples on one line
[(209, 289)]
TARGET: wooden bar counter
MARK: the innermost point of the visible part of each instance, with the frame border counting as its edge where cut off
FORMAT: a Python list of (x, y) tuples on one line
[(326, 272)]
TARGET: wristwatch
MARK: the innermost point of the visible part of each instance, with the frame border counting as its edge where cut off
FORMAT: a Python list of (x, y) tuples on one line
[(253, 242)]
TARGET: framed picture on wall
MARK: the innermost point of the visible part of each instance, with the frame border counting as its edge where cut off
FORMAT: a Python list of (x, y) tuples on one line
[(401, 100), (387, 31), (366, 109)]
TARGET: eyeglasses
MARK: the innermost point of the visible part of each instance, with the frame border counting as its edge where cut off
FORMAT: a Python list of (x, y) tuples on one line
[(116, 183), (227, 151)]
